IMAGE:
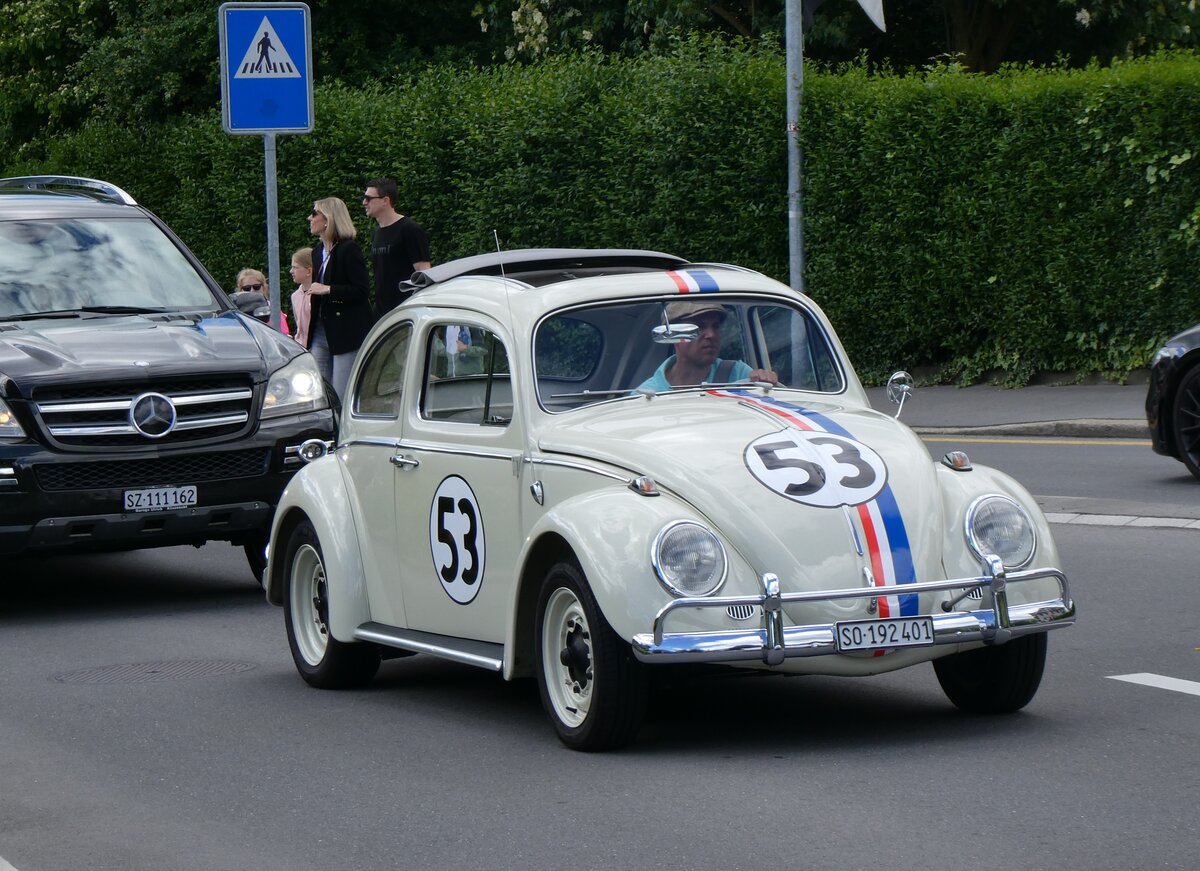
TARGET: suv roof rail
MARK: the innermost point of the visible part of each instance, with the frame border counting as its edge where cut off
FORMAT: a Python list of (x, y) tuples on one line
[(523, 260), (109, 192)]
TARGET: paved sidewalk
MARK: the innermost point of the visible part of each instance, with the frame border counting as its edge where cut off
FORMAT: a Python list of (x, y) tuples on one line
[(1078, 410)]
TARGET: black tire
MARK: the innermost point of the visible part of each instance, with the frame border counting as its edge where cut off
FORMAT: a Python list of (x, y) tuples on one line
[(1185, 420), (322, 660), (256, 558), (994, 680), (592, 688)]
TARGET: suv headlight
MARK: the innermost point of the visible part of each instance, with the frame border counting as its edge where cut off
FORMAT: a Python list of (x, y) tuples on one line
[(998, 525), (9, 428), (295, 388), (688, 559)]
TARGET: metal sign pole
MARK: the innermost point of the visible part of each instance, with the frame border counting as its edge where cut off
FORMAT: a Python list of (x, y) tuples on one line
[(794, 32), (267, 88), (272, 226)]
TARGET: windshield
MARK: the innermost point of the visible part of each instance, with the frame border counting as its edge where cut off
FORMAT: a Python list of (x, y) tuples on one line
[(601, 352), (101, 265)]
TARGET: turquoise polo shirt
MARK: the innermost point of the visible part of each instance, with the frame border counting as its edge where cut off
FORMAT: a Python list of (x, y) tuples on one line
[(658, 381)]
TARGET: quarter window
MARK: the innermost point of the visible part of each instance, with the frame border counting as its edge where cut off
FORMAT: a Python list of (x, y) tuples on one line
[(381, 385)]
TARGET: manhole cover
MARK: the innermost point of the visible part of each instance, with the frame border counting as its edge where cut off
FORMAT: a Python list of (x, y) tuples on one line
[(140, 672)]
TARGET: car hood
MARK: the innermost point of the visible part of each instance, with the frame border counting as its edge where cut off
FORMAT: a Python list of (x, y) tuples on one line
[(51, 350), (798, 486)]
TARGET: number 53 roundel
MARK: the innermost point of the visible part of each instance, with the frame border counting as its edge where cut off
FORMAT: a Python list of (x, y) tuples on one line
[(817, 468), (456, 539)]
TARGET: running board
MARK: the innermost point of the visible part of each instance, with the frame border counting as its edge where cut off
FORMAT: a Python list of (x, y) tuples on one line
[(483, 654)]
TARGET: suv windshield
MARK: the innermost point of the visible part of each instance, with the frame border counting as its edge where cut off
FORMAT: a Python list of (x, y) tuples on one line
[(600, 352), (82, 264)]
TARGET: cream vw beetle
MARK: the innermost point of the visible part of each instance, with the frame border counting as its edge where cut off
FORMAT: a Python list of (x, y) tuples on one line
[(520, 484)]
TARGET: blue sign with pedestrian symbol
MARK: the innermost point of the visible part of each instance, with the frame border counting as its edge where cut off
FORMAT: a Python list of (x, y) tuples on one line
[(266, 67)]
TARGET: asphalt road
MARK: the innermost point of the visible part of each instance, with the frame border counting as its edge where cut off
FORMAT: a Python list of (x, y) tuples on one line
[(1091, 475), (150, 718)]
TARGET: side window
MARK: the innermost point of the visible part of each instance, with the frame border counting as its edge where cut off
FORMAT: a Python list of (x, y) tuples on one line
[(380, 386), (466, 377)]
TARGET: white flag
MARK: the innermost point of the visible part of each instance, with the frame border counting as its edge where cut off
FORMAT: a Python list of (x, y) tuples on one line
[(874, 10)]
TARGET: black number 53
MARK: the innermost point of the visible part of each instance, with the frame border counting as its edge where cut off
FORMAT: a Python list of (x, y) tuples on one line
[(470, 573), (818, 468)]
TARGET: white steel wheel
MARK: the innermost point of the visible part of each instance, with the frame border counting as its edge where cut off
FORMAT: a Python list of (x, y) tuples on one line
[(307, 605), (321, 659), (567, 657), (592, 688)]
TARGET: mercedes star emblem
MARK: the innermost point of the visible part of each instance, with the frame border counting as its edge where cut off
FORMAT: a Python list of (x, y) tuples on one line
[(153, 415)]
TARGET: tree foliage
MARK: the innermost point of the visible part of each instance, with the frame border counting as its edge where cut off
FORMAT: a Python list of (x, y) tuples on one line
[(62, 61), (980, 34)]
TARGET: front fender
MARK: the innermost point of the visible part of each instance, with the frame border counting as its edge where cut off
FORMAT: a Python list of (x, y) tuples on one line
[(317, 493), (611, 532)]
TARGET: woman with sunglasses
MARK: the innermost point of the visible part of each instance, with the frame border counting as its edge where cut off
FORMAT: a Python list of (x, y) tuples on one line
[(253, 281), (339, 293)]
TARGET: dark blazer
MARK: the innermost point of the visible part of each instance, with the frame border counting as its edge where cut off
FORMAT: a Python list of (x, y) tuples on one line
[(346, 311)]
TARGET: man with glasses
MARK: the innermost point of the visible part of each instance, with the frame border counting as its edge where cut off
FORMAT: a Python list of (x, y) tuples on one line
[(399, 247)]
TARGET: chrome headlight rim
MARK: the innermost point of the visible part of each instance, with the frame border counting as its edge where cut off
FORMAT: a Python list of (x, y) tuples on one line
[(316, 400), (10, 427), (973, 539), (656, 559)]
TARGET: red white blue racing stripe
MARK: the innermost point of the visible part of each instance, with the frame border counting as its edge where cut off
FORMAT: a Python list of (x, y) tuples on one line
[(883, 527), (694, 281)]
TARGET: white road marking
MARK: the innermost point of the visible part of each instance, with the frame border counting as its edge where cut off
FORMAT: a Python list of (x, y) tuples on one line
[(4, 866), (1190, 687), (1123, 520)]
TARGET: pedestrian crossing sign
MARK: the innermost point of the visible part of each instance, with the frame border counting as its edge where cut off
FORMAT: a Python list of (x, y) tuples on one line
[(266, 67)]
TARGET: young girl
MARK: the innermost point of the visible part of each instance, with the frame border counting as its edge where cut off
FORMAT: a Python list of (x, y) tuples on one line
[(302, 274)]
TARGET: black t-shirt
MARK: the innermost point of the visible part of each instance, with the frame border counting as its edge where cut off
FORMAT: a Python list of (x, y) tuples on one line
[(394, 250)]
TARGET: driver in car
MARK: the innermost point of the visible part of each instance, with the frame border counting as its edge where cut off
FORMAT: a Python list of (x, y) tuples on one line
[(696, 361)]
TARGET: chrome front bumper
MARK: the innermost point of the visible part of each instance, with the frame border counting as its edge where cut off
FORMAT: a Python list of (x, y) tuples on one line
[(995, 623)]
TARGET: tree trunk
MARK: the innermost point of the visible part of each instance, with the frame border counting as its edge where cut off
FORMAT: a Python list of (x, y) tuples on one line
[(981, 31)]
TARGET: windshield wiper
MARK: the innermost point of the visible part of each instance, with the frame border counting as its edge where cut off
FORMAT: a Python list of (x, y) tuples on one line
[(589, 394), (35, 316), (90, 310), (123, 309)]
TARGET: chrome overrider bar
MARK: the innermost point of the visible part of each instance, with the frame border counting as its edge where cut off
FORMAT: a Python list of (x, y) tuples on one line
[(774, 642)]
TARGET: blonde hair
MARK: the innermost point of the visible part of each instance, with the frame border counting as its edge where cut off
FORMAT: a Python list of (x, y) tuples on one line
[(302, 257), (338, 222), (256, 275)]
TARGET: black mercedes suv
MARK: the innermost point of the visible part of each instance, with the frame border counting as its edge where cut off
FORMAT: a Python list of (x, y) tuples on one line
[(138, 406)]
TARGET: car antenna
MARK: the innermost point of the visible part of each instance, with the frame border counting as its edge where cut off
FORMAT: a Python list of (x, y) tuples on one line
[(500, 254)]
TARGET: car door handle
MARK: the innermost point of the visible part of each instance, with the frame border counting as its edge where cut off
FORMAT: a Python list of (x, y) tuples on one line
[(404, 462)]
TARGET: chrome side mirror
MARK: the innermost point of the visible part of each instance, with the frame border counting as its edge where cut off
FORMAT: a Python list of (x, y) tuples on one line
[(899, 388)]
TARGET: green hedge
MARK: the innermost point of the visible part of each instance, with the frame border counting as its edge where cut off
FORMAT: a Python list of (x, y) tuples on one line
[(1024, 222)]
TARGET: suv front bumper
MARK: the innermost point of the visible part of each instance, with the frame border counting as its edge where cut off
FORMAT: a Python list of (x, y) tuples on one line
[(55, 500)]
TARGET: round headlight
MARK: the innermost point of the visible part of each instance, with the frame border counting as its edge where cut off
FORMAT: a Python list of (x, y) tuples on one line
[(688, 559), (998, 525)]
